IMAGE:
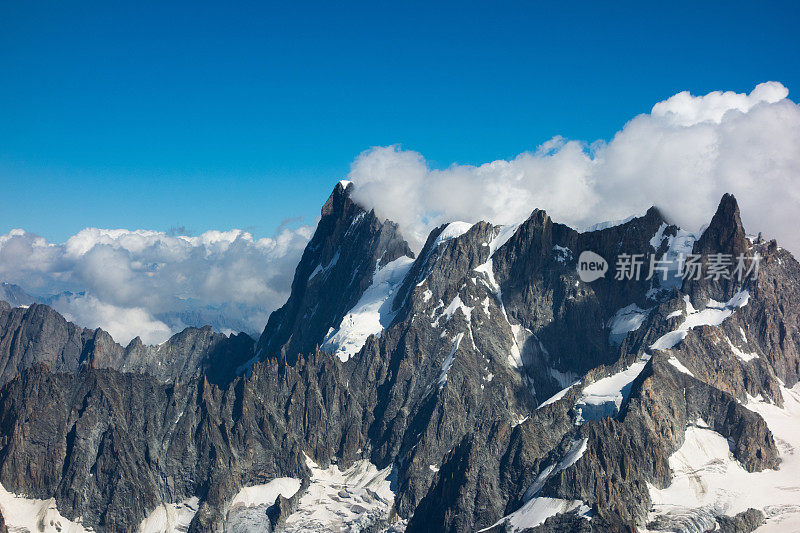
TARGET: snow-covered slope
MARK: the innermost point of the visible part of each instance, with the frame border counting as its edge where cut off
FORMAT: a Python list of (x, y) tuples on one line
[(29, 514), (708, 480), (349, 500), (371, 314), (714, 314), (604, 397), (248, 510), (170, 517)]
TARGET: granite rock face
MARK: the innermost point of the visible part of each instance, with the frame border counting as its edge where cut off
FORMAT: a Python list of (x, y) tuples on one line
[(39, 334), (476, 393)]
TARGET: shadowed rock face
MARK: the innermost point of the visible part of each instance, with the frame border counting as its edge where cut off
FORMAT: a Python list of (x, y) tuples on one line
[(545, 296), (39, 334), (488, 325)]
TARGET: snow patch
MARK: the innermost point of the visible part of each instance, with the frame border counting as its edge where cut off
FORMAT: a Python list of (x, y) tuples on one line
[(267, 493), (604, 397), (610, 224), (450, 310), (562, 254), (170, 517), (452, 231), (677, 364), (29, 514), (537, 510), (372, 314), (324, 270), (502, 237), (349, 500), (515, 355), (557, 396), (248, 509), (744, 356), (625, 320), (655, 241), (448, 361), (485, 304), (714, 314)]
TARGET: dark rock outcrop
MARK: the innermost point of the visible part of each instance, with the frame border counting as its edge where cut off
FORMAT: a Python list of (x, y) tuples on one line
[(39, 334), (744, 522)]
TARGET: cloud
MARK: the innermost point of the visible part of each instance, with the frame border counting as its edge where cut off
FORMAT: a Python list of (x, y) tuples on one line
[(684, 109), (682, 156), (122, 323), (152, 284)]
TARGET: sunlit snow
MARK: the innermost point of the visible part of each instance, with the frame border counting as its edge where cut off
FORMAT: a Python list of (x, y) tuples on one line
[(170, 517), (604, 397), (714, 314), (452, 231), (248, 509), (708, 480), (349, 500), (371, 314), (29, 514), (536, 510)]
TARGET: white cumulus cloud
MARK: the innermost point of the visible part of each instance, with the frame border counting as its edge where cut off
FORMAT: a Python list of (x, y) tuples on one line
[(152, 284), (682, 157)]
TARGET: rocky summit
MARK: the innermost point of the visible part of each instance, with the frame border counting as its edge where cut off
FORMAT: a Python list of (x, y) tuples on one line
[(480, 384)]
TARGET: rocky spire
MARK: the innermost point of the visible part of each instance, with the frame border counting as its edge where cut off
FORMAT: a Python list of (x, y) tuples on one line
[(724, 235), (337, 266)]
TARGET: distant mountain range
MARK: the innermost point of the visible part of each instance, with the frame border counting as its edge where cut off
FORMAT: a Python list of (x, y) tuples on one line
[(479, 385), (226, 318)]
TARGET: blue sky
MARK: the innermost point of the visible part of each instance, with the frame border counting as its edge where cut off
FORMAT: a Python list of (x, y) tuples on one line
[(221, 115)]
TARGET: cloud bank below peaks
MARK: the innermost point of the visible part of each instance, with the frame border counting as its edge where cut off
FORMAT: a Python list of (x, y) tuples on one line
[(152, 284), (682, 157)]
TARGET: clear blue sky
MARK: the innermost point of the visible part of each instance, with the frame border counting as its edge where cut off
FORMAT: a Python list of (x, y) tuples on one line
[(233, 114)]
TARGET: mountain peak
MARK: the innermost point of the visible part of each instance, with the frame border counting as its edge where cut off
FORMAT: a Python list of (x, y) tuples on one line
[(654, 213), (725, 233), (349, 246), (339, 198)]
